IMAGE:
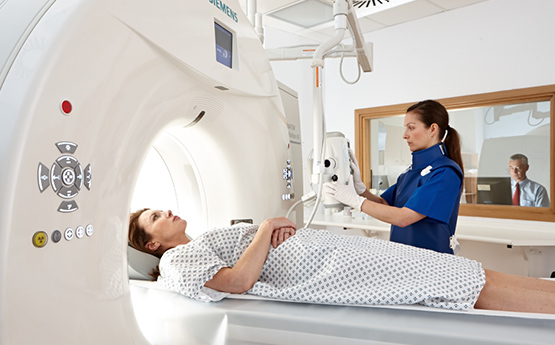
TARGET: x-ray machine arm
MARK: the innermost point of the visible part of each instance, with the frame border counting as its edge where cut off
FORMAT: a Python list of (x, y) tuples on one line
[(343, 13)]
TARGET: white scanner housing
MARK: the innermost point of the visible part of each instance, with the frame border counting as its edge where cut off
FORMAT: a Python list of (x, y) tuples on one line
[(87, 89)]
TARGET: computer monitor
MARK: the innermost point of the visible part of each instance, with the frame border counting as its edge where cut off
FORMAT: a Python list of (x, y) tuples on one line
[(494, 190)]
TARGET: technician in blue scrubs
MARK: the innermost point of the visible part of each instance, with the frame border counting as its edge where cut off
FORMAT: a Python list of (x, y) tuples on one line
[(423, 206)]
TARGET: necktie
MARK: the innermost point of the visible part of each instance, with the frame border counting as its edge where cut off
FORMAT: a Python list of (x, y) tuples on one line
[(516, 196)]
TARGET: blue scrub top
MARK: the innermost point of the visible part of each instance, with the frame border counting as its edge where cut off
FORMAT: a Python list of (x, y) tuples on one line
[(432, 186)]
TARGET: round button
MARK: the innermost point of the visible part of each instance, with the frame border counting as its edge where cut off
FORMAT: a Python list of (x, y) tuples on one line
[(56, 236), (40, 238), (66, 107), (79, 232), (89, 230), (68, 177), (68, 234)]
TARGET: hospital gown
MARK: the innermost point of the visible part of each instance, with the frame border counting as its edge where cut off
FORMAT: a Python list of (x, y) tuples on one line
[(317, 266)]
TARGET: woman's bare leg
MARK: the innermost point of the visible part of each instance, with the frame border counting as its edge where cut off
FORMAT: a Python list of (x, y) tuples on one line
[(522, 281), (516, 293)]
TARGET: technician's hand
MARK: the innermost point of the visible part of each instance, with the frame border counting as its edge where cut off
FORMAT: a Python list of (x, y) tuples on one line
[(344, 193), (280, 235), (359, 185)]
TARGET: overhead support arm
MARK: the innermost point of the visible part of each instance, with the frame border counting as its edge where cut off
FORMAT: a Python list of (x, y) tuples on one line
[(363, 56), (343, 12), (340, 9)]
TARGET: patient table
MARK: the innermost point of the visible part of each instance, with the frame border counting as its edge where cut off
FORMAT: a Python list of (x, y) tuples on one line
[(166, 317)]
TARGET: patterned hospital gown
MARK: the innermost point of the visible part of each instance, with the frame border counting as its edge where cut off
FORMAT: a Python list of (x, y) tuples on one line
[(317, 266)]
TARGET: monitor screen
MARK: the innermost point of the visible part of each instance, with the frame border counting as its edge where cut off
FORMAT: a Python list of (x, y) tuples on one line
[(494, 190), (224, 45)]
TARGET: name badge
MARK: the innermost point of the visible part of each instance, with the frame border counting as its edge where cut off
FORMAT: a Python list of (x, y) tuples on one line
[(426, 170)]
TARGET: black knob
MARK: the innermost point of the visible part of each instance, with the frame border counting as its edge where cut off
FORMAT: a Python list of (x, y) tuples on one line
[(334, 178)]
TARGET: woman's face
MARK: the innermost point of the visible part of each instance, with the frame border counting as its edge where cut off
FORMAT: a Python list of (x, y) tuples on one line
[(166, 230), (416, 134)]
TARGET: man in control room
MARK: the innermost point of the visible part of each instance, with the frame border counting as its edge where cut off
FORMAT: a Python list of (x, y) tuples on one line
[(525, 191)]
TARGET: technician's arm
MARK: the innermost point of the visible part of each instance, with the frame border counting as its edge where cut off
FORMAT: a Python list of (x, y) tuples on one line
[(374, 198), (390, 214), (371, 205), (241, 277)]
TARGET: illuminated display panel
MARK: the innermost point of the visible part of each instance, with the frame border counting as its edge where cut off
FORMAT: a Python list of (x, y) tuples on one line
[(224, 45)]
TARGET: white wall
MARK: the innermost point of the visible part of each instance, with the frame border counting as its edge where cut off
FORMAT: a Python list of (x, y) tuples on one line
[(490, 46)]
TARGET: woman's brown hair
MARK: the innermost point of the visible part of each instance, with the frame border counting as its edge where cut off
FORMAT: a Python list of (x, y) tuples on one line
[(429, 112), (138, 238)]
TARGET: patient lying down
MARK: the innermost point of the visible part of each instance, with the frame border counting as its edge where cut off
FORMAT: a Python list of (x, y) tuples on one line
[(276, 260)]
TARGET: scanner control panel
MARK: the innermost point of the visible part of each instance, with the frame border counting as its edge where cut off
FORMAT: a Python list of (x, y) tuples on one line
[(66, 176)]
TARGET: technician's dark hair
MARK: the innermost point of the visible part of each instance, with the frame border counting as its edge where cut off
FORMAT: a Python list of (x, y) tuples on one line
[(429, 112)]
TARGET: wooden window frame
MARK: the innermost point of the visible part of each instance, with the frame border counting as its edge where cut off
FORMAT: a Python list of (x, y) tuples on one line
[(533, 94)]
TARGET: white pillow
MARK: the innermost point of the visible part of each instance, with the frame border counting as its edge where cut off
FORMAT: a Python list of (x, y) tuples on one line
[(140, 264)]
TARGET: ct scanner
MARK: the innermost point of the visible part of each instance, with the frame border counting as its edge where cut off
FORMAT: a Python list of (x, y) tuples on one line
[(87, 88)]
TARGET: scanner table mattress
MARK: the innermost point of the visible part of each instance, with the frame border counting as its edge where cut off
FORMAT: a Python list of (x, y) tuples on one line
[(318, 266)]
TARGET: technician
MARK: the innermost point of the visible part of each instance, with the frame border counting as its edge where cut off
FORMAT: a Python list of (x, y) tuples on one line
[(423, 206)]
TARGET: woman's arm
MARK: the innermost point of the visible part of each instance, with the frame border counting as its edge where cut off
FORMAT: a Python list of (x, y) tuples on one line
[(378, 208), (390, 214), (241, 277), (372, 205), (374, 198)]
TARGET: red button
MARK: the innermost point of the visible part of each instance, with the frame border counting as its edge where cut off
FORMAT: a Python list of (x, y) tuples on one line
[(66, 107)]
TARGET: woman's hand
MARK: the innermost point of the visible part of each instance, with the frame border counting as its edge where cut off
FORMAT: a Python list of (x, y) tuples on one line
[(280, 235), (360, 187), (281, 229), (344, 193), (278, 222), (241, 277)]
